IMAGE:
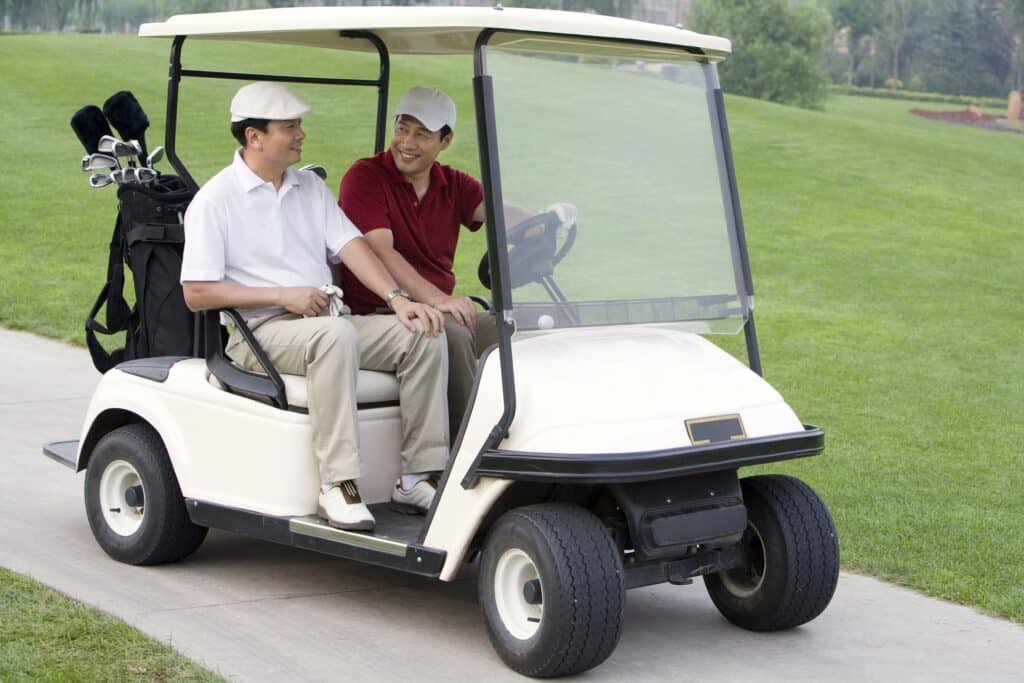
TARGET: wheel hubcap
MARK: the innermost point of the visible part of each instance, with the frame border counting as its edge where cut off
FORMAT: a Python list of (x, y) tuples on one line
[(747, 579), (517, 594), (119, 484)]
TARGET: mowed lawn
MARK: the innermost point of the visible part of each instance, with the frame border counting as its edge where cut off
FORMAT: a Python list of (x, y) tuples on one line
[(886, 251)]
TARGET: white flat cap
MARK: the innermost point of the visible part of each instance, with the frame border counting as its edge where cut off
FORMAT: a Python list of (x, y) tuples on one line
[(430, 106), (264, 100)]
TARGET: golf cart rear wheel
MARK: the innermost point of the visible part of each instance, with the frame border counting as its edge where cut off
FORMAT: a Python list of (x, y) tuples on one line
[(790, 558), (552, 590), (133, 501)]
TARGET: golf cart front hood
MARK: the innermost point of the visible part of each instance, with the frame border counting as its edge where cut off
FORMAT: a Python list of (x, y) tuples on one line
[(629, 389)]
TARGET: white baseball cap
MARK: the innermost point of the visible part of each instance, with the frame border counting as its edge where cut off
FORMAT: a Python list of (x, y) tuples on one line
[(264, 100), (430, 106)]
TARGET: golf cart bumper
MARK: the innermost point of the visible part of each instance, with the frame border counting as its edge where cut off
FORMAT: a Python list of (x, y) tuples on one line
[(683, 507), (612, 468)]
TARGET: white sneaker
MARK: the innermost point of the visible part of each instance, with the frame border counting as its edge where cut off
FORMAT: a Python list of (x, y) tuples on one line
[(342, 507), (415, 501)]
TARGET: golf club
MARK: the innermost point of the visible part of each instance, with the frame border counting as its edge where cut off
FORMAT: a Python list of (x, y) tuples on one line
[(134, 176), (108, 144), (100, 179), (155, 156), (126, 115), (99, 161), (89, 125)]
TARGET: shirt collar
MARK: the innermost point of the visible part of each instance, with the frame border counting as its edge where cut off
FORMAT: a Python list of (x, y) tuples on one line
[(250, 181)]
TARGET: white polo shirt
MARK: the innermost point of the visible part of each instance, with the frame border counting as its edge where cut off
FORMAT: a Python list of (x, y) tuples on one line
[(240, 229)]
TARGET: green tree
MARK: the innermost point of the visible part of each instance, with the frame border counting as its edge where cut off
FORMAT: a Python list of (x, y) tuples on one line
[(859, 20), (777, 50)]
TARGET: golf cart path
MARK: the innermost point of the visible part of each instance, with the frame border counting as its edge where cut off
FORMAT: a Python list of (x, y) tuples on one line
[(255, 611)]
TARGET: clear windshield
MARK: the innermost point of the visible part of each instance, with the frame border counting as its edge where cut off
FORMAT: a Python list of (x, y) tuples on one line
[(628, 141)]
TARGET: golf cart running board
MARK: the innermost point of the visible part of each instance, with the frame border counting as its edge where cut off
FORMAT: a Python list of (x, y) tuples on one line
[(64, 452), (385, 547)]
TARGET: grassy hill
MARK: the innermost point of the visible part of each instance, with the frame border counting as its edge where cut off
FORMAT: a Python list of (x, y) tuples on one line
[(886, 252)]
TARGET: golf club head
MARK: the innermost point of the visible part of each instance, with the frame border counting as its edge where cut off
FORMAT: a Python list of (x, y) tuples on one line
[(90, 125), (126, 115), (145, 175), (100, 179), (99, 161), (316, 168), (110, 145), (134, 176), (155, 156)]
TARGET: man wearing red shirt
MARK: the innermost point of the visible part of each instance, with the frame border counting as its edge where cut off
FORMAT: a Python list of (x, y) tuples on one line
[(410, 209)]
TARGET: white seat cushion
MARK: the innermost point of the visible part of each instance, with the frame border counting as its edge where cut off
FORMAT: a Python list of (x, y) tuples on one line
[(371, 387)]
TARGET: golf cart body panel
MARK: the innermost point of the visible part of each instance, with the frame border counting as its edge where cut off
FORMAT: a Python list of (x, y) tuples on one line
[(257, 457)]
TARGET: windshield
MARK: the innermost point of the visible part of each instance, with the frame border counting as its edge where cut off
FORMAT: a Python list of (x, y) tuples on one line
[(624, 134)]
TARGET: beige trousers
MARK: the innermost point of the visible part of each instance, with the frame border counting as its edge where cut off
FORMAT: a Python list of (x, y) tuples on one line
[(464, 348), (329, 351)]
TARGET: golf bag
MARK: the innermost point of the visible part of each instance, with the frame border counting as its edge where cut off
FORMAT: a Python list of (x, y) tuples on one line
[(148, 236)]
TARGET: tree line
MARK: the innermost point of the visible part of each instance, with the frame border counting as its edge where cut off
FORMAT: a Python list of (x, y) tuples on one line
[(785, 50)]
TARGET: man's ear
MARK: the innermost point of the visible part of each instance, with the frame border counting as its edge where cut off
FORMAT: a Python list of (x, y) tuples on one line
[(252, 137), (446, 140)]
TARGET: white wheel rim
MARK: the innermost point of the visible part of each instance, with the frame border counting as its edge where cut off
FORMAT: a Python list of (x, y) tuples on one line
[(118, 477), (751, 581), (513, 571)]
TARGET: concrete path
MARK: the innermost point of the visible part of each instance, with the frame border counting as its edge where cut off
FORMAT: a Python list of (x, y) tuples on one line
[(255, 611)]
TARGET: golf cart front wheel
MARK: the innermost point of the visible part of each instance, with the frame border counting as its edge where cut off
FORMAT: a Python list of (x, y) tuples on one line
[(552, 590), (133, 501), (790, 558)]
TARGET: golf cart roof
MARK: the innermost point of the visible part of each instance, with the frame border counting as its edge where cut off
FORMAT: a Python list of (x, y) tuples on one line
[(421, 30)]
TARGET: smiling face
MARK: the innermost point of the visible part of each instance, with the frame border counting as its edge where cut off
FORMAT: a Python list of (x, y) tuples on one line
[(280, 146), (414, 148)]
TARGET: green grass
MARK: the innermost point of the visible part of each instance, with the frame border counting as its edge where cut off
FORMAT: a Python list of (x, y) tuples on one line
[(44, 636), (886, 252)]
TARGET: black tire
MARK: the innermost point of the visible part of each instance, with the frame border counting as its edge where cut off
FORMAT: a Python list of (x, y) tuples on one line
[(791, 558), (582, 590), (159, 530)]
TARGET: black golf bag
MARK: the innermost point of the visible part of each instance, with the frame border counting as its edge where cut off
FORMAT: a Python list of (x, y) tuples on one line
[(149, 237)]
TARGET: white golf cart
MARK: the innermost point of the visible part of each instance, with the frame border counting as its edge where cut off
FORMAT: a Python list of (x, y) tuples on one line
[(601, 448)]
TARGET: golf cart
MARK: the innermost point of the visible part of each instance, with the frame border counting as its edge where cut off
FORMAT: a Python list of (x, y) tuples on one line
[(601, 447)]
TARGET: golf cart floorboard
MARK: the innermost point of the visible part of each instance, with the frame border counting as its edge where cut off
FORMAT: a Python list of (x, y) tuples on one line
[(391, 544)]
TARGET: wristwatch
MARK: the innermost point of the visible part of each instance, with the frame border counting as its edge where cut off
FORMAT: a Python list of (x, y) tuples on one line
[(393, 294)]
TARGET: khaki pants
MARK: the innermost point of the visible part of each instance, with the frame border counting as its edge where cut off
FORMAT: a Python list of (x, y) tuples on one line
[(329, 351), (464, 347)]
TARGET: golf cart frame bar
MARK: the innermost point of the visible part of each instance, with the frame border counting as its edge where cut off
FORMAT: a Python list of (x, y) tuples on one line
[(176, 73)]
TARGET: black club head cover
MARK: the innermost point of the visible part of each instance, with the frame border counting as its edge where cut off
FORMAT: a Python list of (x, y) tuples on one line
[(127, 116), (90, 125)]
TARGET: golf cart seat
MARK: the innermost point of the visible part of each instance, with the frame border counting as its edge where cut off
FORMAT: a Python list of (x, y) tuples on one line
[(288, 392), (373, 389)]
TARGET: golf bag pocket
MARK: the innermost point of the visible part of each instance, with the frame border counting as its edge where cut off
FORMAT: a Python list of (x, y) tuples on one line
[(149, 237)]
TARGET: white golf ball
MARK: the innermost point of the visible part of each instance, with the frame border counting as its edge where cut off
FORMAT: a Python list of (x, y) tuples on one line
[(545, 322)]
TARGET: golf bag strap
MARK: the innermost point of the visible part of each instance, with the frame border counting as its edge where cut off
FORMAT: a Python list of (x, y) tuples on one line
[(100, 358), (155, 233), (118, 314)]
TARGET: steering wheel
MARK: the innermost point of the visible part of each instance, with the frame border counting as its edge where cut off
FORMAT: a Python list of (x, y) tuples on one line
[(532, 257)]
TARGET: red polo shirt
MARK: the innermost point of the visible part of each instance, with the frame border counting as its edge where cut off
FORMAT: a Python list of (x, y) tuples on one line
[(374, 194)]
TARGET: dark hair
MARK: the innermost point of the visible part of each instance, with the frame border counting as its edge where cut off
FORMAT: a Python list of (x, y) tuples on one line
[(238, 128), (446, 130)]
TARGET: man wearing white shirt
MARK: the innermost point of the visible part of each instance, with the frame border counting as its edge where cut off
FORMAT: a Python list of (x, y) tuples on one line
[(257, 237)]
